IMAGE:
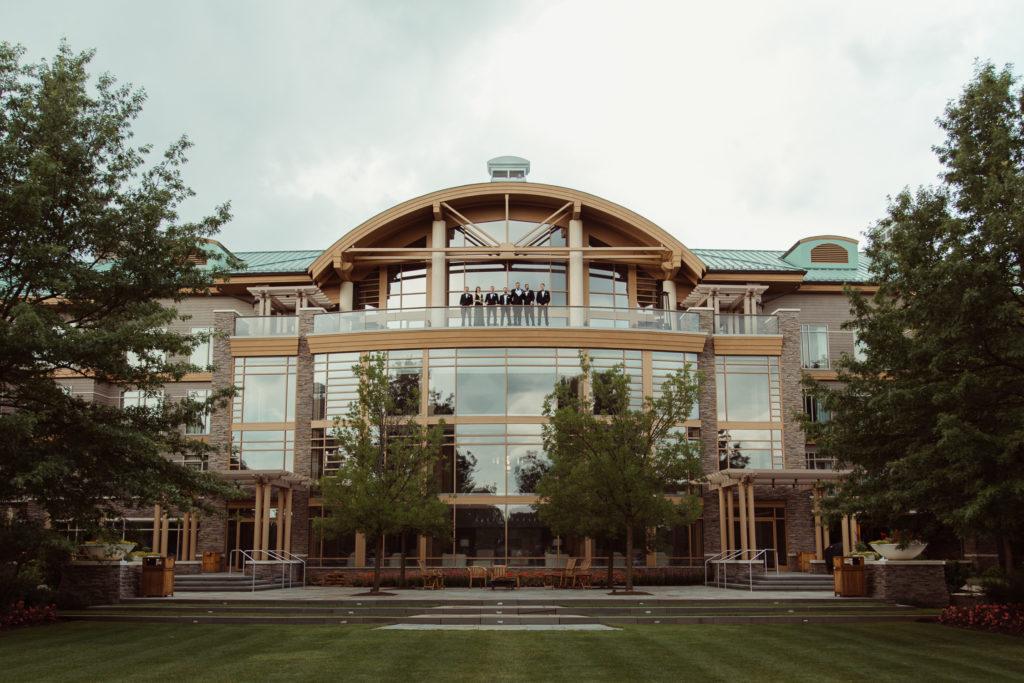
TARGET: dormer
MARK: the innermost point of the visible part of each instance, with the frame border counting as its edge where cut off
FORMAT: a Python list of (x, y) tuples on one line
[(826, 251), (504, 169)]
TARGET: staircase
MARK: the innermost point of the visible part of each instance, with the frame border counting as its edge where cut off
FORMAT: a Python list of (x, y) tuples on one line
[(221, 581), (492, 612), (783, 581)]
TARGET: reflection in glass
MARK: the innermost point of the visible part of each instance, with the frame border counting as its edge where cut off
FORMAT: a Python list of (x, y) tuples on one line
[(480, 534), (527, 389), (480, 390), (441, 398), (527, 464), (530, 543), (749, 448), (480, 469)]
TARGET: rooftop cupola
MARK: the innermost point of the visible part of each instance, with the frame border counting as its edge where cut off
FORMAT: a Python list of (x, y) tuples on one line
[(503, 169)]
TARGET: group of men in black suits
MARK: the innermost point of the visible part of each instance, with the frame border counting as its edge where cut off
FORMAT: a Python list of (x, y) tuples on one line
[(514, 306)]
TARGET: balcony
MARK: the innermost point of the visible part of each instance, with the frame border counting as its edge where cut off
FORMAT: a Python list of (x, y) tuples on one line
[(561, 317), (267, 326), (751, 325)]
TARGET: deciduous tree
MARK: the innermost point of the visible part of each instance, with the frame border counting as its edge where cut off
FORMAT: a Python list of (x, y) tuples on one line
[(385, 482), (609, 472), (931, 419)]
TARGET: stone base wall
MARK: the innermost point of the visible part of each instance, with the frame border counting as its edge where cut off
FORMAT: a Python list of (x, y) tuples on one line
[(921, 583), (736, 571), (99, 583), (187, 568), (272, 571), (819, 567)]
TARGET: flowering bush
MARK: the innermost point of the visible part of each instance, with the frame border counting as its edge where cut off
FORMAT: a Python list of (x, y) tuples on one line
[(1008, 619), (18, 614), (458, 577)]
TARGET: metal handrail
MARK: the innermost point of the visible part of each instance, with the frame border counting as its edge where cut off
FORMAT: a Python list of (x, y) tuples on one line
[(722, 580), (281, 556)]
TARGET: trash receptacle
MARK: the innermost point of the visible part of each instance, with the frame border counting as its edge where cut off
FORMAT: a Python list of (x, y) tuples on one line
[(848, 573), (211, 563), (157, 577)]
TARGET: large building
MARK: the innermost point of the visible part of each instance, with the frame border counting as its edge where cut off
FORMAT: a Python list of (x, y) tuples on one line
[(622, 289)]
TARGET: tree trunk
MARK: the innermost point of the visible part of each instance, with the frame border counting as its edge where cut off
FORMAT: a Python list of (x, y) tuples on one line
[(611, 563), (629, 557), (1007, 555), (377, 563)]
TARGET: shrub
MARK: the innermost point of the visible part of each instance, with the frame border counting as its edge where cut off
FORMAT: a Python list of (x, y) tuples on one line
[(1008, 618), (19, 615), (956, 575), (1005, 590)]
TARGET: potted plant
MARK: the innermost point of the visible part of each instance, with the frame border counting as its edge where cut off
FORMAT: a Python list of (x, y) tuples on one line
[(902, 545), (106, 547)]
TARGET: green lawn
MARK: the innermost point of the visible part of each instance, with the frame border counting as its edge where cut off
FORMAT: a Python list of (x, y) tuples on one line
[(91, 651)]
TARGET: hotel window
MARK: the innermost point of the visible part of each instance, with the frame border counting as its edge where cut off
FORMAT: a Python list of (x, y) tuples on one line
[(407, 286), (814, 346), (608, 287), (335, 385), (749, 388), (266, 389), (149, 358), (263, 450), (202, 352), (202, 425), (506, 274), (860, 349), (759, 449), (663, 363), (142, 399), (814, 410), (632, 365)]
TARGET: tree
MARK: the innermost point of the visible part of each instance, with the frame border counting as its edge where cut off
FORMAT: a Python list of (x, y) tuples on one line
[(931, 419), (385, 482), (92, 251), (609, 471)]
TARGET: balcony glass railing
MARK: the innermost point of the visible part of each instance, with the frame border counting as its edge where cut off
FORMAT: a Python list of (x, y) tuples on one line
[(746, 324), (267, 326), (564, 317)]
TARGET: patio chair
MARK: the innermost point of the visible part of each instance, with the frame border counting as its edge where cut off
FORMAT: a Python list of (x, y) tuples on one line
[(560, 578), (478, 572), (433, 578), (581, 575), (500, 571)]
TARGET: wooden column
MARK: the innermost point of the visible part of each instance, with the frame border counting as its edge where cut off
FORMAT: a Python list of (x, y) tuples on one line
[(194, 536), (729, 521), (268, 491), (157, 517), (742, 493), (751, 532), (165, 530), (288, 522), (257, 527), (186, 536), (360, 558), (279, 527), (722, 536), (853, 533), (846, 535)]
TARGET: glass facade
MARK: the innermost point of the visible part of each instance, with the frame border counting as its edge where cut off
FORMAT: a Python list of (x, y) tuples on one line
[(267, 389), (272, 449), (814, 346), (749, 388), (759, 449), (500, 274)]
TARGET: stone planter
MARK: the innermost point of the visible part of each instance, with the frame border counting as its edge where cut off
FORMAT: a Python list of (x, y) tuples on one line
[(106, 551), (892, 551)]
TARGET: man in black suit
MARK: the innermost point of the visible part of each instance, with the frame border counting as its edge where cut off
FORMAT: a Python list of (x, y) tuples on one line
[(528, 298), (543, 299), (505, 301), (517, 304), (491, 302), (466, 301)]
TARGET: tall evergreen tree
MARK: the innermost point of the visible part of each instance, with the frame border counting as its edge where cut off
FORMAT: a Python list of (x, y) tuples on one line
[(385, 482), (612, 465), (91, 252), (931, 419)]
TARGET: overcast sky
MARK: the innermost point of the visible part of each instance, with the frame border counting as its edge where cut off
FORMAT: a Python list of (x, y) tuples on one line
[(742, 125)]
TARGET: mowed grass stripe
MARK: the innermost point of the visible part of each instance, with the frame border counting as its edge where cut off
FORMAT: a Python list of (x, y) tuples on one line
[(84, 651)]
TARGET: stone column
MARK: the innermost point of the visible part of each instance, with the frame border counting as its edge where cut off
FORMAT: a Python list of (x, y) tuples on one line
[(577, 277), (794, 443), (288, 522), (722, 533)]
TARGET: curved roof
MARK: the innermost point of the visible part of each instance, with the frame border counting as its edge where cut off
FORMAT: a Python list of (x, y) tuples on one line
[(466, 197)]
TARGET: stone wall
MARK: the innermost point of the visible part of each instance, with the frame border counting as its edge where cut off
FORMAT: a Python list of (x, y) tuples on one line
[(98, 583), (914, 582)]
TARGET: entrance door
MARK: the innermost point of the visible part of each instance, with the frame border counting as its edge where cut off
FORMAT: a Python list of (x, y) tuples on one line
[(240, 536), (770, 532)]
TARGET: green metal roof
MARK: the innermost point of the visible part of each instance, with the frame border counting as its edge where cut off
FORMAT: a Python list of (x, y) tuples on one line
[(278, 261), (721, 260), (762, 260)]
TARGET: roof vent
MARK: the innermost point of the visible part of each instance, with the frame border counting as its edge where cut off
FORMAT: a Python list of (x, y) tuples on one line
[(505, 169)]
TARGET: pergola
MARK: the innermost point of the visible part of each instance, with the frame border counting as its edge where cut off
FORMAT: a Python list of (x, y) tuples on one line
[(264, 482), (744, 481)]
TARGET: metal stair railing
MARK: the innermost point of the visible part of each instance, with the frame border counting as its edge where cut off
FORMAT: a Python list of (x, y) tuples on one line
[(284, 558), (719, 560)]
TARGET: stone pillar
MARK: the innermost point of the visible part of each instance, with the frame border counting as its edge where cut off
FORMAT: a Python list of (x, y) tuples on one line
[(794, 442), (257, 527), (288, 522), (577, 277), (819, 536), (751, 531), (722, 533)]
